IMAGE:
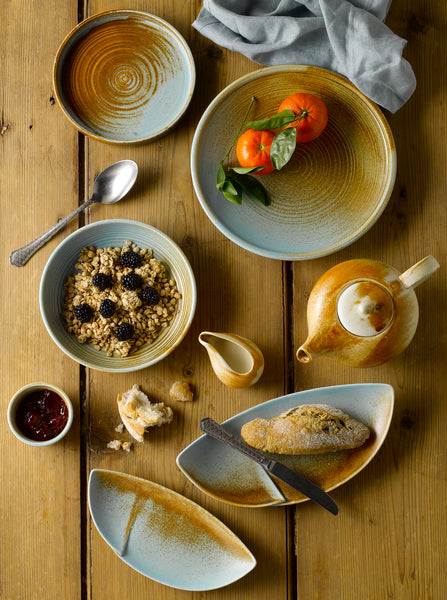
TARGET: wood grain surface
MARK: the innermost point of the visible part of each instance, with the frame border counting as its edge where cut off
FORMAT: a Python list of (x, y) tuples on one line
[(388, 541)]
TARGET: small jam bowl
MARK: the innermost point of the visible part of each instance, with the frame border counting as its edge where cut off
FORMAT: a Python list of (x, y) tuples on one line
[(32, 390)]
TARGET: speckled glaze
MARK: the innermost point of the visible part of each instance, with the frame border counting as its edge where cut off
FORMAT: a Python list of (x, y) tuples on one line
[(377, 322), (124, 76), (115, 232), (236, 361), (163, 535), (227, 475), (333, 189)]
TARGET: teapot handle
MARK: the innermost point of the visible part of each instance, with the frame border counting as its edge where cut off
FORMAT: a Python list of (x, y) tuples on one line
[(419, 272)]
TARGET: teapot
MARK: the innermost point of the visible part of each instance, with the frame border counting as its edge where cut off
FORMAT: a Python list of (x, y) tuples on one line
[(363, 312)]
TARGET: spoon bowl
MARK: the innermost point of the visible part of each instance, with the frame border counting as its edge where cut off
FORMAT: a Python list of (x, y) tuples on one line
[(111, 185), (115, 182)]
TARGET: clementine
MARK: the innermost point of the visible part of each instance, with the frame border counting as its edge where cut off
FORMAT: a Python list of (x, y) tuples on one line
[(253, 149), (311, 113)]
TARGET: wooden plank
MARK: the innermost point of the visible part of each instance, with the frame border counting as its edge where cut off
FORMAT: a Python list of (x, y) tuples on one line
[(389, 538), (40, 502), (228, 280)]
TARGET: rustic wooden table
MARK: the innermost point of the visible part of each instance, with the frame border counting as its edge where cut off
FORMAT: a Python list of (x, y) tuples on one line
[(389, 539)]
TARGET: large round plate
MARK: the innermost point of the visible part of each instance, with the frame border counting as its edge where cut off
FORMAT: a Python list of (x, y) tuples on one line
[(333, 189), (124, 76), (226, 474)]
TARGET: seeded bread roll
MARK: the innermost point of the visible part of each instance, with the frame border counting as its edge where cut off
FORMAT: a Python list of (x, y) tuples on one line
[(306, 430)]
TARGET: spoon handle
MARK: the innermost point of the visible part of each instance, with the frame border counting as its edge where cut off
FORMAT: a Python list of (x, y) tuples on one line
[(21, 256)]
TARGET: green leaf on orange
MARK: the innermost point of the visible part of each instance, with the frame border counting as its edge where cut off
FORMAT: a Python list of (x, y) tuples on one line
[(282, 119), (283, 147)]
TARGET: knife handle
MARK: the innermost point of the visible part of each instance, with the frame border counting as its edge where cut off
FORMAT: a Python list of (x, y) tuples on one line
[(216, 431)]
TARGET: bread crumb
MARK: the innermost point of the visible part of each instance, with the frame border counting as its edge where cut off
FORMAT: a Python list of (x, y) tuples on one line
[(126, 446), (181, 391), (120, 445), (138, 413), (119, 428), (114, 444)]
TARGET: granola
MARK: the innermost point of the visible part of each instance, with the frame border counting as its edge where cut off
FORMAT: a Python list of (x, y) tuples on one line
[(141, 320)]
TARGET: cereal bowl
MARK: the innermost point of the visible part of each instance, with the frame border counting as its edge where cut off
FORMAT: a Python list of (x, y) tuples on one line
[(112, 234), (40, 414), (124, 76)]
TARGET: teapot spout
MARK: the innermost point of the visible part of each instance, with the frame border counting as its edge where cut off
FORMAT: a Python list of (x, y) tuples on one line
[(303, 355), (311, 347)]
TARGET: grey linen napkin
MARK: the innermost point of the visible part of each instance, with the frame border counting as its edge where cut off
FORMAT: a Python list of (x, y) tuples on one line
[(347, 37)]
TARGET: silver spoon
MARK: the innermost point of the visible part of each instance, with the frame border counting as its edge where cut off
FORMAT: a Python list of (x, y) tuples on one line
[(111, 185)]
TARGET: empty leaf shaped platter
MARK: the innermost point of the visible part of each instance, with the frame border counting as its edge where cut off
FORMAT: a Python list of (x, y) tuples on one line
[(163, 535), (226, 474)]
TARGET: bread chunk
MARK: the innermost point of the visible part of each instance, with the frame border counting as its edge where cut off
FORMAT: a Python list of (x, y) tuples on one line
[(138, 413), (181, 391), (311, 429)]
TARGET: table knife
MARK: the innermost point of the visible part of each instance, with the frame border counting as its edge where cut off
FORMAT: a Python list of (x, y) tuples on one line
[(295, 480)]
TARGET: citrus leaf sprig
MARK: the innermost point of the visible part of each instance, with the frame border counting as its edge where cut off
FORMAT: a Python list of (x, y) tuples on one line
[(284, 142), (232, 182)]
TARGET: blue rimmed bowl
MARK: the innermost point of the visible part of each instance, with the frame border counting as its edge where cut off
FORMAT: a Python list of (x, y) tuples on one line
[(103, 234)]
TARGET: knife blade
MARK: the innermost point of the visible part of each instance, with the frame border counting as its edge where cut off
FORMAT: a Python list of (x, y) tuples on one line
[(295, 480)]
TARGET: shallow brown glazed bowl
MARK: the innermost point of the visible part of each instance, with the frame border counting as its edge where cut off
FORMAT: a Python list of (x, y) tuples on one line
[(333, 189), (124, 76)]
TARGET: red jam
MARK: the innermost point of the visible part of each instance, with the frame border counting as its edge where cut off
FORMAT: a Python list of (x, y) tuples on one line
[(41, 415)]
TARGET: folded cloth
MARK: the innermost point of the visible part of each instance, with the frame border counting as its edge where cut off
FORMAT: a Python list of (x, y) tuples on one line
[(347, 37)]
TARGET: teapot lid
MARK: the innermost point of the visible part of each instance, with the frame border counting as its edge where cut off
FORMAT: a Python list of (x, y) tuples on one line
[(365, 308)]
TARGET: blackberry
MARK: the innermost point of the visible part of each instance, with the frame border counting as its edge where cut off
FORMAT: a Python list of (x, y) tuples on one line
[(83, 313), (102, 281), (130, 259), (149, 295), (124, 332), (107, 308), (132, 281)]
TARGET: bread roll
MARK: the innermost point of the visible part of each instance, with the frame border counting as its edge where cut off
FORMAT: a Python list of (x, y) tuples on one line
[(306, 430), (138, 413)]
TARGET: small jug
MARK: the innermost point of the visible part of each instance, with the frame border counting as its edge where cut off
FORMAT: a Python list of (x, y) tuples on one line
[(236, 361), (363, 312)]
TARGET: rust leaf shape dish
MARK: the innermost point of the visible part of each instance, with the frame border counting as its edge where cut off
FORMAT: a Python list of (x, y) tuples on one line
[(333, 189), (124, 76), (163, 535), (226, 474)]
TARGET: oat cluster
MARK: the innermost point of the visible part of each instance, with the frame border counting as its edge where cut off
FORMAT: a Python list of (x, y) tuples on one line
[(131, 313)]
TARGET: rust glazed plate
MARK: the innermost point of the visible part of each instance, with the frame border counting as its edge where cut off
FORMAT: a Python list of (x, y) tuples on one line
[(124, 76), (163, 535), (332, 190), (226, 474)]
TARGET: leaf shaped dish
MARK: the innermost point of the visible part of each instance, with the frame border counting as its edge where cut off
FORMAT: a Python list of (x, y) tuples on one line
[(225, 474), (163, 535)]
